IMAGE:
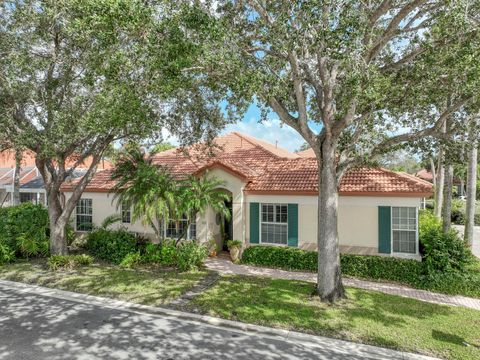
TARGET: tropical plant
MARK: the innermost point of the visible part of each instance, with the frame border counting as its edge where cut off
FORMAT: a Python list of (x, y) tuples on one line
[(197, 194), (148, 189)]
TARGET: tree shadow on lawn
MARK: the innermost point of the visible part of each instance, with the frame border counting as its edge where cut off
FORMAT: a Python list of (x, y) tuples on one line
[(364, 316), (156, 287)]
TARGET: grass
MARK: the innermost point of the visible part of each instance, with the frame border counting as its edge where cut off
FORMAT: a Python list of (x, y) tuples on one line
[(149, 287), (366, 316)]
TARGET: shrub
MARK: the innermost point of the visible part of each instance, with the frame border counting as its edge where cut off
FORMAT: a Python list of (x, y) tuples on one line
[(441, 252), (111, 245), (24, 229), (372, 267), (382, 268), (132, 260), (281, 257), (190, 255), (7, 255), (56, 262)]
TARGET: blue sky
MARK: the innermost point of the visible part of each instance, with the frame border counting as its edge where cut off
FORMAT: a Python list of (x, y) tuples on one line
[(270, 130)]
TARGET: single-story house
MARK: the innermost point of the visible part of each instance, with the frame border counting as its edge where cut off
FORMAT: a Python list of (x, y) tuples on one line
[(273, 200), (427, 175)]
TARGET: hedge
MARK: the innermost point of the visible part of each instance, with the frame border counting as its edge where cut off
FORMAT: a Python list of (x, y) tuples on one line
[(368, 267), (409, 272)]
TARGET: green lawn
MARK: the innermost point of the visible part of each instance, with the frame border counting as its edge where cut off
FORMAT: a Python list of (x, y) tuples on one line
[(366, 317), (155, 287)]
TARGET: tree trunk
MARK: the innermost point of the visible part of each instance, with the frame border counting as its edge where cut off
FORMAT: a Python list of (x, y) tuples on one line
[(471, 186), (16, 178), (433, 171), (439, 186), (447, 198), (58, 243), (329, 287)]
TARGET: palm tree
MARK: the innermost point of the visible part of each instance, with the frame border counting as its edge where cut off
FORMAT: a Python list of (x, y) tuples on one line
[(148, 189), (196, 194)]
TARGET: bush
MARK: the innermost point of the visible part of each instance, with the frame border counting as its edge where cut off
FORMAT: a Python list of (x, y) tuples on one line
[(382, 268), (56, 262), (458, 217), (111, 245), (281, 257), (7, 255), (190, 255), (441, 253), (24, 230), (132, 260), (371, 267)]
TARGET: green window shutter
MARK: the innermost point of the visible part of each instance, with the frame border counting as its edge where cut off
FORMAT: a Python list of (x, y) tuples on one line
[(293, 225), (254, 223), (384, 229)]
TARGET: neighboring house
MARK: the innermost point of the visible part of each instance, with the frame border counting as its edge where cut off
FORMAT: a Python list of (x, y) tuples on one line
[(426, 175), (273, 199), (32, 188)]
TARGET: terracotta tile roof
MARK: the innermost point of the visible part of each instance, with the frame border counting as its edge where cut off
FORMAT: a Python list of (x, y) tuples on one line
[(309, 153), (7, 160), (425, 175), (270, 170)]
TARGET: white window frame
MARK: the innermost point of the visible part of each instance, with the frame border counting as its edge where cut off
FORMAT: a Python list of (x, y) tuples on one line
[(189, 232), (404, 254), (77, 214), (271, 223), (126, 209)]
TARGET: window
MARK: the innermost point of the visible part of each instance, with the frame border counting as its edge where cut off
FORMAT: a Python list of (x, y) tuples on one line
[(404, 228), (274, 228), (84, 215), (126, 213), (175, 228), (28, 197)]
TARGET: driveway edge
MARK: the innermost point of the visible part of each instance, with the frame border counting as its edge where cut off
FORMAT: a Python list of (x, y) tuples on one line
[(205, 319)]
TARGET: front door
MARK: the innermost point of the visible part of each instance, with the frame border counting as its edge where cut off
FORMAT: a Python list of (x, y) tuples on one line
[(227, 225)]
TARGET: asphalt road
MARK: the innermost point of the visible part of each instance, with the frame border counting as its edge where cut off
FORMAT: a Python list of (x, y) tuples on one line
[(34, 325), (476, 238)]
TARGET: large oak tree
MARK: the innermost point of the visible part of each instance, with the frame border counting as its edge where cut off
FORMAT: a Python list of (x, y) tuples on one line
[(79, 75), (363, 72)]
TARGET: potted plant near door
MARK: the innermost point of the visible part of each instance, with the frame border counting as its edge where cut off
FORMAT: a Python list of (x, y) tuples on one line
[(234, 246), (212, 247)]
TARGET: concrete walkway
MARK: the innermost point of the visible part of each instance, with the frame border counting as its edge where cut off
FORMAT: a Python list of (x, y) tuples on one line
[(50, 324), (223, 265)]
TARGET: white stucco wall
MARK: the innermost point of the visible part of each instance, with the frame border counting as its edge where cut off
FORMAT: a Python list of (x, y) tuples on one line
[(357, 219), (207, 227), (357, 222)]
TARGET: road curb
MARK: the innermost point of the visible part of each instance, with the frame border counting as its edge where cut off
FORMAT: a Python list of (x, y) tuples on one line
[(251, 329)]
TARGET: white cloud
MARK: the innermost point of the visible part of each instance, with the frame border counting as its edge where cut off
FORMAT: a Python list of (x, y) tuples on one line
[(270, 130)]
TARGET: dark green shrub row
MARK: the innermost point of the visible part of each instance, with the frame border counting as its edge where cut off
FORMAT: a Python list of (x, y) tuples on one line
[(371, 267), (23, 231), (281, 257), (410, 272), (122, 247)]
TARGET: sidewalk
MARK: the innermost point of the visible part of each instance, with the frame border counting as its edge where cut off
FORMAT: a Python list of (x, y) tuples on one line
[(223, 265)]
